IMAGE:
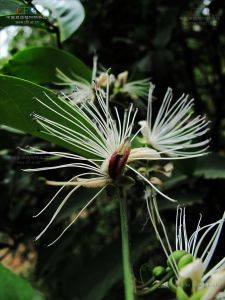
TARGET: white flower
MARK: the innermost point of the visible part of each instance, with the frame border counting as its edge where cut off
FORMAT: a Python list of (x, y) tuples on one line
[(107, 142), (136, 89), (196, 244), (83, 90), (174, 131)]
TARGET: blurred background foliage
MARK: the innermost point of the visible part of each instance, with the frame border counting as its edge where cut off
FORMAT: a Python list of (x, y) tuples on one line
[(174, 43)]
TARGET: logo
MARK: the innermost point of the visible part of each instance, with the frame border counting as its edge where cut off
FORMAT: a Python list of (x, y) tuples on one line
[(24, 10)]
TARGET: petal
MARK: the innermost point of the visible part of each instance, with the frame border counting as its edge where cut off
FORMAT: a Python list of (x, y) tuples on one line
[(194, 271), (145, 130), (143, 153)]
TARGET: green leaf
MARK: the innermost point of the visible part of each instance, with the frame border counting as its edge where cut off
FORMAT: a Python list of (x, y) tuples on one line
[(211, 167), (38, 64), (77, 202), (17, 104), (12, 287), (68, 14)]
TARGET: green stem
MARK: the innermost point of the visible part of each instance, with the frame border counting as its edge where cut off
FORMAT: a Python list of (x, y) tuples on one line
[(156, 286), (127, 270)]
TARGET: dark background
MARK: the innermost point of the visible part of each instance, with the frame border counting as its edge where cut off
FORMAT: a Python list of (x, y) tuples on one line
[(175, 44)]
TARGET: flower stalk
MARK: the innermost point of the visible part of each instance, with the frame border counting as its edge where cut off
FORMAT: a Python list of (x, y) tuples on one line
[(127, 268)]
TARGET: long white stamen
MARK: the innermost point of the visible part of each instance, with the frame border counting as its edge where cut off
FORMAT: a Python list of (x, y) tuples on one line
[(75, 142), (172, 117), (180, 230), (70, 117), (53, 198), (57, 212), (149, 182), (149, 110), (78, 215), (66, 131), (169, 251), (209, 228), (176, 234), (194, 236), (219, 266), (210, 248), (168, 96), (134, 136), (173, 131), (94, 69)]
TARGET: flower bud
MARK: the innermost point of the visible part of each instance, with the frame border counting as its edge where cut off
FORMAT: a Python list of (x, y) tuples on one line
[(102, 80), (156, 181), (175, 257), (121, 79), (158, 272), (168, 168), (185, 260)]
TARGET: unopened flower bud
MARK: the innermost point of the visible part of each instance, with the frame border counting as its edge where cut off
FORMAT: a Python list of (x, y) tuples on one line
[(101, 80), (156, 181), (121, 79), (168, 168), (185, 260), (158, 272), (175, 257)]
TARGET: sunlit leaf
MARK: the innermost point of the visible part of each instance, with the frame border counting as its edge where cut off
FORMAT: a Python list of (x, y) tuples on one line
[(38, 64), (69, 15)]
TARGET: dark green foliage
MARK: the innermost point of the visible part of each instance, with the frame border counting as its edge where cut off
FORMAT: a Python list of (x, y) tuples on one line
[(14, 288), (22, 97), (34, 64)]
